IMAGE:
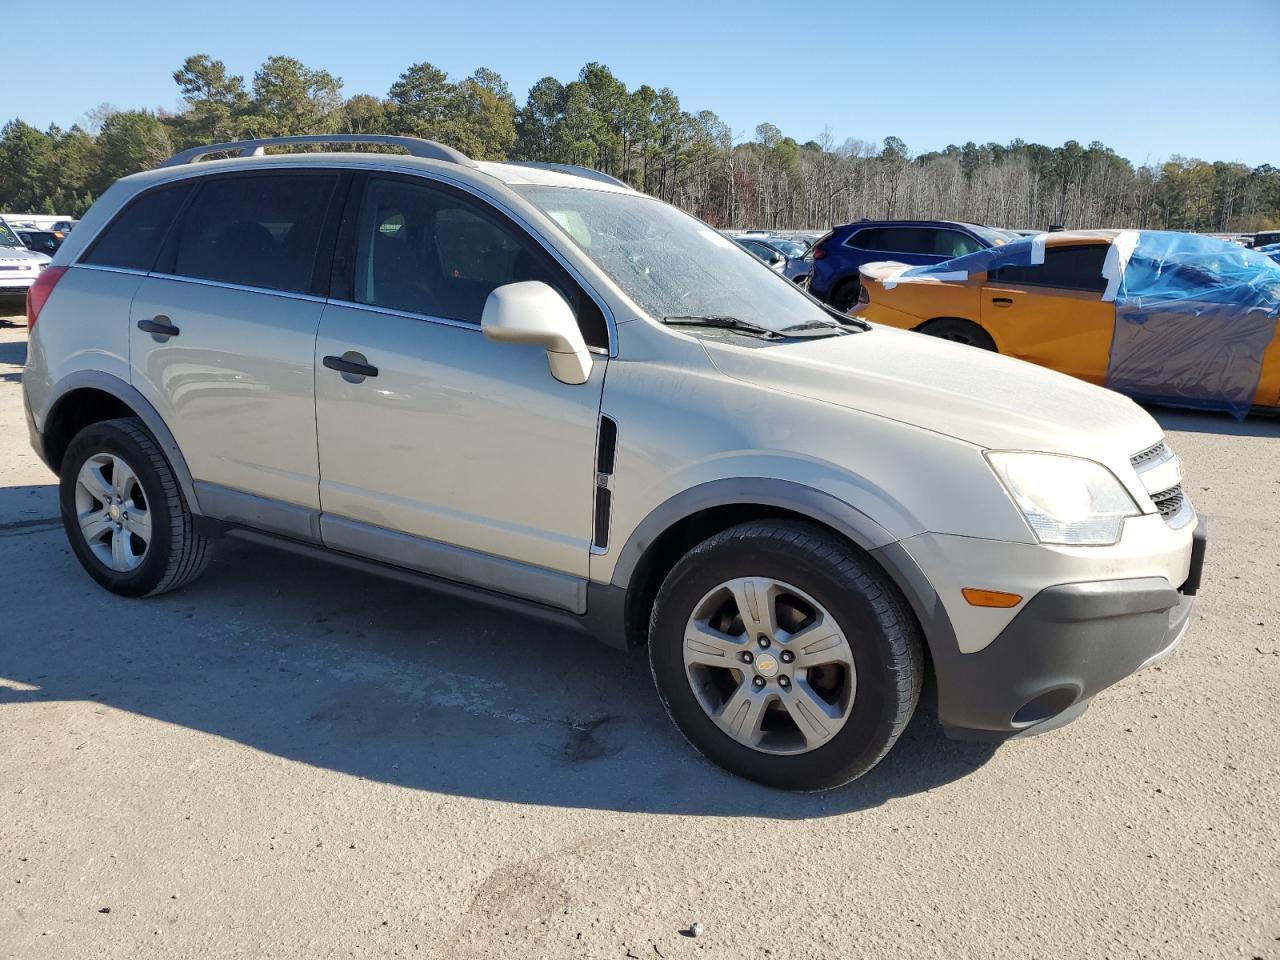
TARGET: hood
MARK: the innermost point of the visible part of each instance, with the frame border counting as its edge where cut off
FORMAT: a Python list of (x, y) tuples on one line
[(992, 401), (12, 254)]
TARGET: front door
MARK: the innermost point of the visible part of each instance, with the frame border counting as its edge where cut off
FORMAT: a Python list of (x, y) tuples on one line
[(1053, 313), (439, 449)]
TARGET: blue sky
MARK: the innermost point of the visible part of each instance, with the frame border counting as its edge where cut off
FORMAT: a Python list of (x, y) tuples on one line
[(1149, 79)]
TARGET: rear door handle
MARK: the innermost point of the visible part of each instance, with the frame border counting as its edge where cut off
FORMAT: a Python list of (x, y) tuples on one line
[(159, 326), (1002, 301), (348, 363)]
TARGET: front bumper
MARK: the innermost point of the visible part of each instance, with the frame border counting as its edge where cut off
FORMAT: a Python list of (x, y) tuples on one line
[(1067, 643)]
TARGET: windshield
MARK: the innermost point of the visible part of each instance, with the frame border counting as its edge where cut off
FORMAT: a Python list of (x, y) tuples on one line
[(993, 236), (7, 237), (788, 248), (673, 265)]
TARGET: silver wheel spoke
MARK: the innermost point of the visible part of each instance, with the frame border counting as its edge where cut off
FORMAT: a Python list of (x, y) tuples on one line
[(94, 524), (710, 647), (820, 642), (817, 720), (755, 598), (743, 713), (94, 483), (122, 478), (138, 522)]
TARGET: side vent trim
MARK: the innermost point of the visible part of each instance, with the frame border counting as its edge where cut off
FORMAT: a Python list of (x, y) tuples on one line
[(606, 451)]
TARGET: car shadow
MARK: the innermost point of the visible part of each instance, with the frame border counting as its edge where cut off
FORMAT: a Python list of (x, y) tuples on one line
[(13, 357), (383, 681)]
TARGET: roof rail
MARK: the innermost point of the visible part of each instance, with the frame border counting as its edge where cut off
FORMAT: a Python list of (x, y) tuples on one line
[(414, 146), (573, 170)]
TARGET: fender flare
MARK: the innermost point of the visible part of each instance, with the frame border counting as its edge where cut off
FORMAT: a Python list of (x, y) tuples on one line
[(131, 397), (764, 491), (885, 549)]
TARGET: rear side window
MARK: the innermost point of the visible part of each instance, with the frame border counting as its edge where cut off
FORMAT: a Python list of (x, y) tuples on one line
[(254, 230), (1068, 268), (431, 251), (133, 238), (894, 240)]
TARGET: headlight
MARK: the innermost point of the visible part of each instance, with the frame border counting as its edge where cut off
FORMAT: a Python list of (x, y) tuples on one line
[(1066, 500)]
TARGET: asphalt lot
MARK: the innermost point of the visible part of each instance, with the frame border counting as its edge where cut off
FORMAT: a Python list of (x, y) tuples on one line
[(291, 760)]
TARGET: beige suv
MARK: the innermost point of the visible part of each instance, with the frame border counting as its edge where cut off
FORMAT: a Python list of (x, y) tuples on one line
[(536, 386)]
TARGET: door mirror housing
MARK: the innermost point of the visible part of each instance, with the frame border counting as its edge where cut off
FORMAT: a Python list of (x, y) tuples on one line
[(776, 258), (532, 312)]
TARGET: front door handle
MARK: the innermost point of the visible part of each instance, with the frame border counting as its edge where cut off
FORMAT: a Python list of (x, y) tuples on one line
[(158, 326), (351, 363), (1002, 301)]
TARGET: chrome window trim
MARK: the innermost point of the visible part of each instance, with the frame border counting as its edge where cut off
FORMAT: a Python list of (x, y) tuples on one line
[(108, 269), (310, 298)]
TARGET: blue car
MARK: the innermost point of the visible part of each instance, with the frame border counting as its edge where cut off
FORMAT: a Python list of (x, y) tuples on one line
[(1271, 250), (838, 255)]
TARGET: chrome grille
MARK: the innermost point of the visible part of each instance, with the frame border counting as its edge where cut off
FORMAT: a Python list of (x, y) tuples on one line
[(1169, 502), (1147, 455), (1172, 503)]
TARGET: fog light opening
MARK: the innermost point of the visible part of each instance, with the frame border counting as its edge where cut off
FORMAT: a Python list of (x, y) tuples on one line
[(1046, 705)]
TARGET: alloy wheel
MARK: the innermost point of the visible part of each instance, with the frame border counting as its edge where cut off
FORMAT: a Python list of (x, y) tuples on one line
[(769, 665), (111, 510)]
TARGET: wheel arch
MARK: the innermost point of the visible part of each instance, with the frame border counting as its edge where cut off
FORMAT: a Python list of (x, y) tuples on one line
[(690, 517), (923, 325), (90, 397)]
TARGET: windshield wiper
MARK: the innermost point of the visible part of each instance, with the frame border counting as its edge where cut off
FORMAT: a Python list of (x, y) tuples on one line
[(724, 323)]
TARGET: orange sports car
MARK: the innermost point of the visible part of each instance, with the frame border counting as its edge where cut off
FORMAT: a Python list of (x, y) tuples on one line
[(1166, 317)]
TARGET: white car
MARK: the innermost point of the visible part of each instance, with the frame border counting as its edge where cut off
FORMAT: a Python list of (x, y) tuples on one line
[(19, 266), (542, 389)]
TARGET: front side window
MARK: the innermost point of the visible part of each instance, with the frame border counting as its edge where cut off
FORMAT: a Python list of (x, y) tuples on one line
[(432, 251), (953, 243), (133, 238), (255, 230), (1067, 268)]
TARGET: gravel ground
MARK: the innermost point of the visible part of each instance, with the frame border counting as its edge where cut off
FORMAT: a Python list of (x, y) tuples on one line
[(291, 760)]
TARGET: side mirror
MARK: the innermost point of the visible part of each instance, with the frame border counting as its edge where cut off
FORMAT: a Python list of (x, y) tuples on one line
[(532, 312), (776, 258)]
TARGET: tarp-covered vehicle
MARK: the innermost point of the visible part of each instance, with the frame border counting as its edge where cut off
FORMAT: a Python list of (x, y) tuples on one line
[(1165, 317)]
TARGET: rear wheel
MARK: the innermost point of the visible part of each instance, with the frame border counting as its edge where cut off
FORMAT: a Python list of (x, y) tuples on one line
[(124, 513), (785, 655), (845, 297), (959, 331)]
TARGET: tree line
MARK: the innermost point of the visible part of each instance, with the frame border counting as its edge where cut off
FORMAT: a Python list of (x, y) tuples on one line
[(645, 137)]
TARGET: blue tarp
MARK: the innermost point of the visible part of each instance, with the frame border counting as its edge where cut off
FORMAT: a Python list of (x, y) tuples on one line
[(1194, 315)]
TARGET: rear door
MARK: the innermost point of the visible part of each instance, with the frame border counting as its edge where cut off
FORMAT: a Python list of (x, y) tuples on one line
[(223, 337), (1052, 313)]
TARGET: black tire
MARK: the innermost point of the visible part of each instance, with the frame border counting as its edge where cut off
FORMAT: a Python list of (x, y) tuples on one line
[(881, 629), (960, 331), (845, 296), (176, 553)]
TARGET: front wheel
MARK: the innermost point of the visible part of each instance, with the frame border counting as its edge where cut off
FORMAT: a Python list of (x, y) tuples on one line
[(124, 513), (785, 655)]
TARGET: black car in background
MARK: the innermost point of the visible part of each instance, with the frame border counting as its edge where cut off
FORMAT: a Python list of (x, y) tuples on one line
[(42, 241)]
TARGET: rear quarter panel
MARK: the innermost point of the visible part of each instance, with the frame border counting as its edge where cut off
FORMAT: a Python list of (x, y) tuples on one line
[(84, 326)]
